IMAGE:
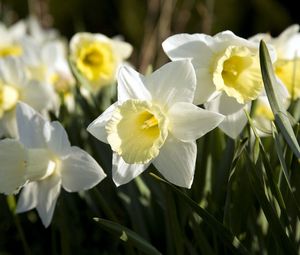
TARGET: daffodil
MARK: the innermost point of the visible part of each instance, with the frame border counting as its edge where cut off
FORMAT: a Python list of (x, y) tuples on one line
[(41, 162), (47, 63), (287, 65), (228, 73), (9, 39), (98, 57), (15, 84), (154, 121)]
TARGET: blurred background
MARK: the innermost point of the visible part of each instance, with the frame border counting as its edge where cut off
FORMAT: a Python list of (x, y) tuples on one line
[(146, 23)]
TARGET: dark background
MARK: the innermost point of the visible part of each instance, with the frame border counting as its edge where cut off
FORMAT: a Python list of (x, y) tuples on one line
[(146, 23)]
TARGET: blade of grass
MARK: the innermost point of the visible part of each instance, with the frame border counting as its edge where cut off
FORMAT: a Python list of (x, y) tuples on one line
[(280, 114), (269, 171), (280, 155), (127, 235), (11, 203), (240, 147), (225, 235), (276, 227)]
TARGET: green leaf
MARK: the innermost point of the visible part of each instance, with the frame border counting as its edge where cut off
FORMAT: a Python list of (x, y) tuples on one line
[(280, 155), (225, 235), (276, 227), (127, 235), (281, 115)]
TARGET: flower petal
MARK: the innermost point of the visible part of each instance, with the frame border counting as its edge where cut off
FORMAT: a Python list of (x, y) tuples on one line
[(131, 85), (49, 190), (79, 171), (224, 104), (97, 127), (30, 126), (38, 164), (123, 173), (234, 124), (189, 122), (12, 167), (12, 71), (183, 46), (205, 89), (122, 49), (174, 82), (235, 118), (176, 161), (28, 198), (56, 138), (40, 96)]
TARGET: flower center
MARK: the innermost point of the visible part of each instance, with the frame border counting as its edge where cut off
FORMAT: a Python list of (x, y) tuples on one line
[(40, 164), (137, 130), (237, 72), (11, 50), (289, 73), (96, 61), (8, 98)]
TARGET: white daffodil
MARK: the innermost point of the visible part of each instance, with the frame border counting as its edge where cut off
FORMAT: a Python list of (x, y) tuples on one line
[(47, 63), (98, 57), (9, 39), (42, 161), (154, 121), (228, 73), (287, 65), (16, 85)]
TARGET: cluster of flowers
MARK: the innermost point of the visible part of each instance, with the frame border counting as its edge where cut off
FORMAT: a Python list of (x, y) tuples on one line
[(157, 118)]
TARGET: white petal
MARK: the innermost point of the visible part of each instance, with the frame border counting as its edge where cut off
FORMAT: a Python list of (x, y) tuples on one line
[(224, 104), (291, 48), (122, 49), (227, 38), (30, 126), (176, 161), (131, 85), (12, 71), (123, 173), (18, 29), (173, 82), (79, 171), (37, 164), (192, 46), (234, 124), (49, 190), (97, 127), (56, 138), (235, 118), (28, 198), (12, 166), (50, 53), (40, 96), (205, 88), (287, 43), (189, 122)]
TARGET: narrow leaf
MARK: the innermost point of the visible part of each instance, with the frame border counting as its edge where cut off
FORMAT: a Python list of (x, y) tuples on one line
[(127, 235), (281, 115), (225, 235), (277, 229)]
